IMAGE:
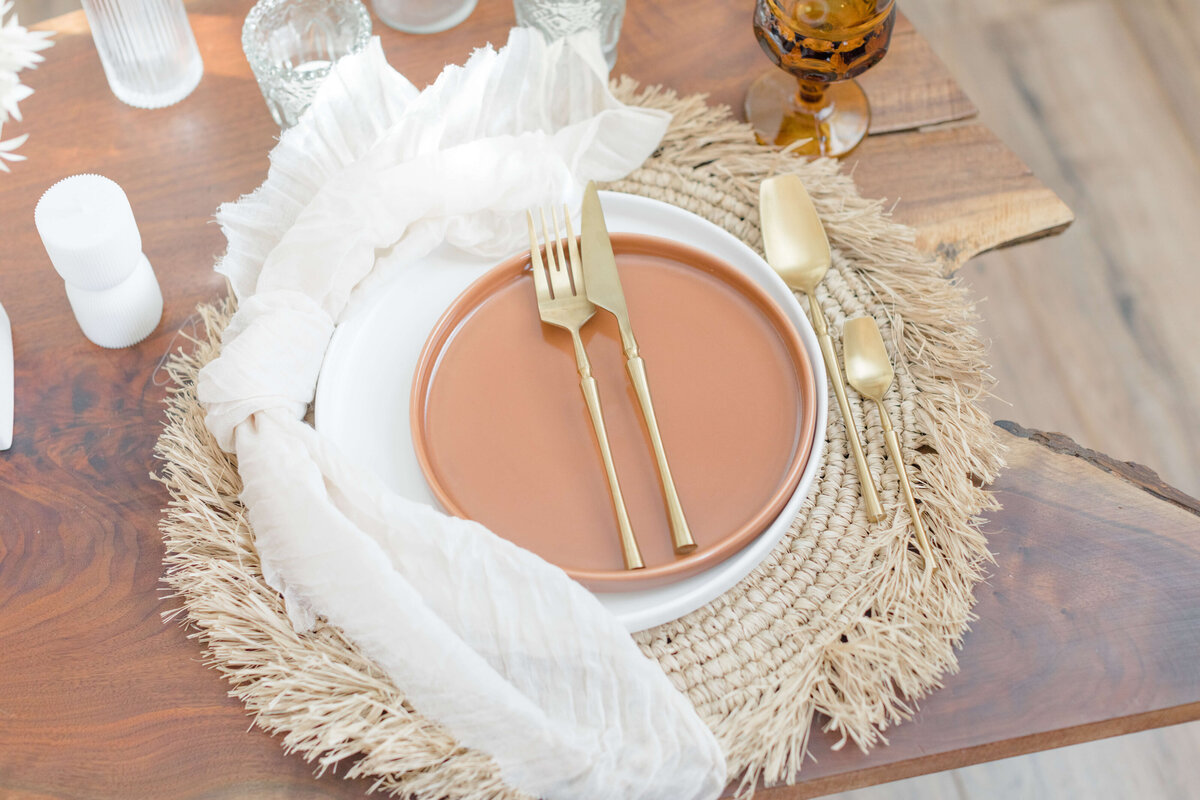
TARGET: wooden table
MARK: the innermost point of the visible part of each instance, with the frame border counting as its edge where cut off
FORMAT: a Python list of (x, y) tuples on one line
[(1089, 626)]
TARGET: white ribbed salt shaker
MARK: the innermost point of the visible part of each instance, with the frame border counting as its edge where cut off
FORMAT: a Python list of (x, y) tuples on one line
[(89, 232)]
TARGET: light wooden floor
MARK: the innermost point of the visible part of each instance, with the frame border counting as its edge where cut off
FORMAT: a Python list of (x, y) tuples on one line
[(1095, 333)]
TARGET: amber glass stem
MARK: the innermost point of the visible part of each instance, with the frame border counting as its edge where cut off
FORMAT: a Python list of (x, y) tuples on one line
[(810, 98)]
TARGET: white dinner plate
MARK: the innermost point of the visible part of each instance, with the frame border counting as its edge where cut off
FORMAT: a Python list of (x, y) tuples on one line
[(362, 399)]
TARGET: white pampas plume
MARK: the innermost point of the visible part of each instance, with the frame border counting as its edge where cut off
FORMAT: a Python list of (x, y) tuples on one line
[(18, 50)]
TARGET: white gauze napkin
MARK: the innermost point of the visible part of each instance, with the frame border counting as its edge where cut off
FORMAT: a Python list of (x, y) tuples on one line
[(509, 654)]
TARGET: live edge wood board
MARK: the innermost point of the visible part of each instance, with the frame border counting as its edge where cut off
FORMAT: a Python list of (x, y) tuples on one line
[(1089, 625)]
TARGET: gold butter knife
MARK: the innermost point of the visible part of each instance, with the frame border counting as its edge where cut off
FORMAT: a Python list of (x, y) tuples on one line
[(604, 290)]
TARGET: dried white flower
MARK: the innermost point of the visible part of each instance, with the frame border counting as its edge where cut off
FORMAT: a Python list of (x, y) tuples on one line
[(18, 50)]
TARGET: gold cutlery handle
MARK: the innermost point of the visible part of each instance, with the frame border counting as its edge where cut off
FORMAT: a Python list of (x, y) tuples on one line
[(629, 545), (681, 535), (892, 439), (870, 496)]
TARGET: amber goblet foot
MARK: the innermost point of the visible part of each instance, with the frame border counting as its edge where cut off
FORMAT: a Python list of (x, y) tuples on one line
[(833, 118)]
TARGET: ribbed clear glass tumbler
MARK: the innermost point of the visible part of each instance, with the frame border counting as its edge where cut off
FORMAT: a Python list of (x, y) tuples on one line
[(292, 45), (147, 50)]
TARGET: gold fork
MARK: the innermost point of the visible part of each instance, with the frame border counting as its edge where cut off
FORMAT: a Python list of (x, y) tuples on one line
[(562, 301)]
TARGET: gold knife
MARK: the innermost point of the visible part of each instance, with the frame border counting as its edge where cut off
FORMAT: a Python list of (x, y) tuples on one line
[(604, 290)]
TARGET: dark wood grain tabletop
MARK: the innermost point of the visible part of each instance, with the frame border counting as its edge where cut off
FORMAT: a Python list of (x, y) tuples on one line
[(1089, 625)]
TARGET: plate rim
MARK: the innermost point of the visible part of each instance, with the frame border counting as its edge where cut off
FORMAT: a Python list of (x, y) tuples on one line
[(463, 307), (644, 608)]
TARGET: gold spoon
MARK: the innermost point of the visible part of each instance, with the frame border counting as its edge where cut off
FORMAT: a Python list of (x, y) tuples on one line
[(870, 372), (798, 250)]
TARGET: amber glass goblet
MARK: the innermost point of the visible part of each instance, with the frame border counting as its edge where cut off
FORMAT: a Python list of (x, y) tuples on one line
[(823, 44)]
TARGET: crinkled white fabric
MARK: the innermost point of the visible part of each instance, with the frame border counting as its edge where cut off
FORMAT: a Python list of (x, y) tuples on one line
[(503, 649)]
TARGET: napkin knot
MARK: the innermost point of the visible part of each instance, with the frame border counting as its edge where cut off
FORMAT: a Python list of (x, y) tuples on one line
[(271, 355)]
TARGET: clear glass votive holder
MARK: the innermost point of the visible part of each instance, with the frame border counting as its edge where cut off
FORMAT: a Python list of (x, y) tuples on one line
[(558, 18), (422, 16), (292, 45), (147, 50)]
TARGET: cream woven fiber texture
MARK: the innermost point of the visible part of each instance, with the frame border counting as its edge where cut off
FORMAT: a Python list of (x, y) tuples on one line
[(837, 625)]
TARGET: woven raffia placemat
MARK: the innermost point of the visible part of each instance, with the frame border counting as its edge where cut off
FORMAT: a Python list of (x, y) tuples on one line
[(838, 621)]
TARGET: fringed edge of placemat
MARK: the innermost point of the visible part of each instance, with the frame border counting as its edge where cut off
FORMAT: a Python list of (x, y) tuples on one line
[(900, 638), (335, 708), (328, 702)]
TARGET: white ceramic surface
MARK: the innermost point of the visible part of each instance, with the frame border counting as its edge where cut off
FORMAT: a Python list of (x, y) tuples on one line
[(363, 393)]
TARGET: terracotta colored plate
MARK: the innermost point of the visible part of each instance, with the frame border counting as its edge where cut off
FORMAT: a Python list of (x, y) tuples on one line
[(503, 435)]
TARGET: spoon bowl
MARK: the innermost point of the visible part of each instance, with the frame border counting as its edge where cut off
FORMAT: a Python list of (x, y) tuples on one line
[(793, 237), (868, 368)]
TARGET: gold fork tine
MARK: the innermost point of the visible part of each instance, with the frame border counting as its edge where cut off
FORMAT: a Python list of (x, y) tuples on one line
[(558, 245), (546, 240), (537, 266), (559, 285), (575, 260)]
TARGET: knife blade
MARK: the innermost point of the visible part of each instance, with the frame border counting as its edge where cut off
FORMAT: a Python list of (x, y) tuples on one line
[(603, 287), (602, 282)]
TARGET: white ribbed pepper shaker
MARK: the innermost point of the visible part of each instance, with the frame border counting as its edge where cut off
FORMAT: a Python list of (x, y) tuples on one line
[(88, 230)]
